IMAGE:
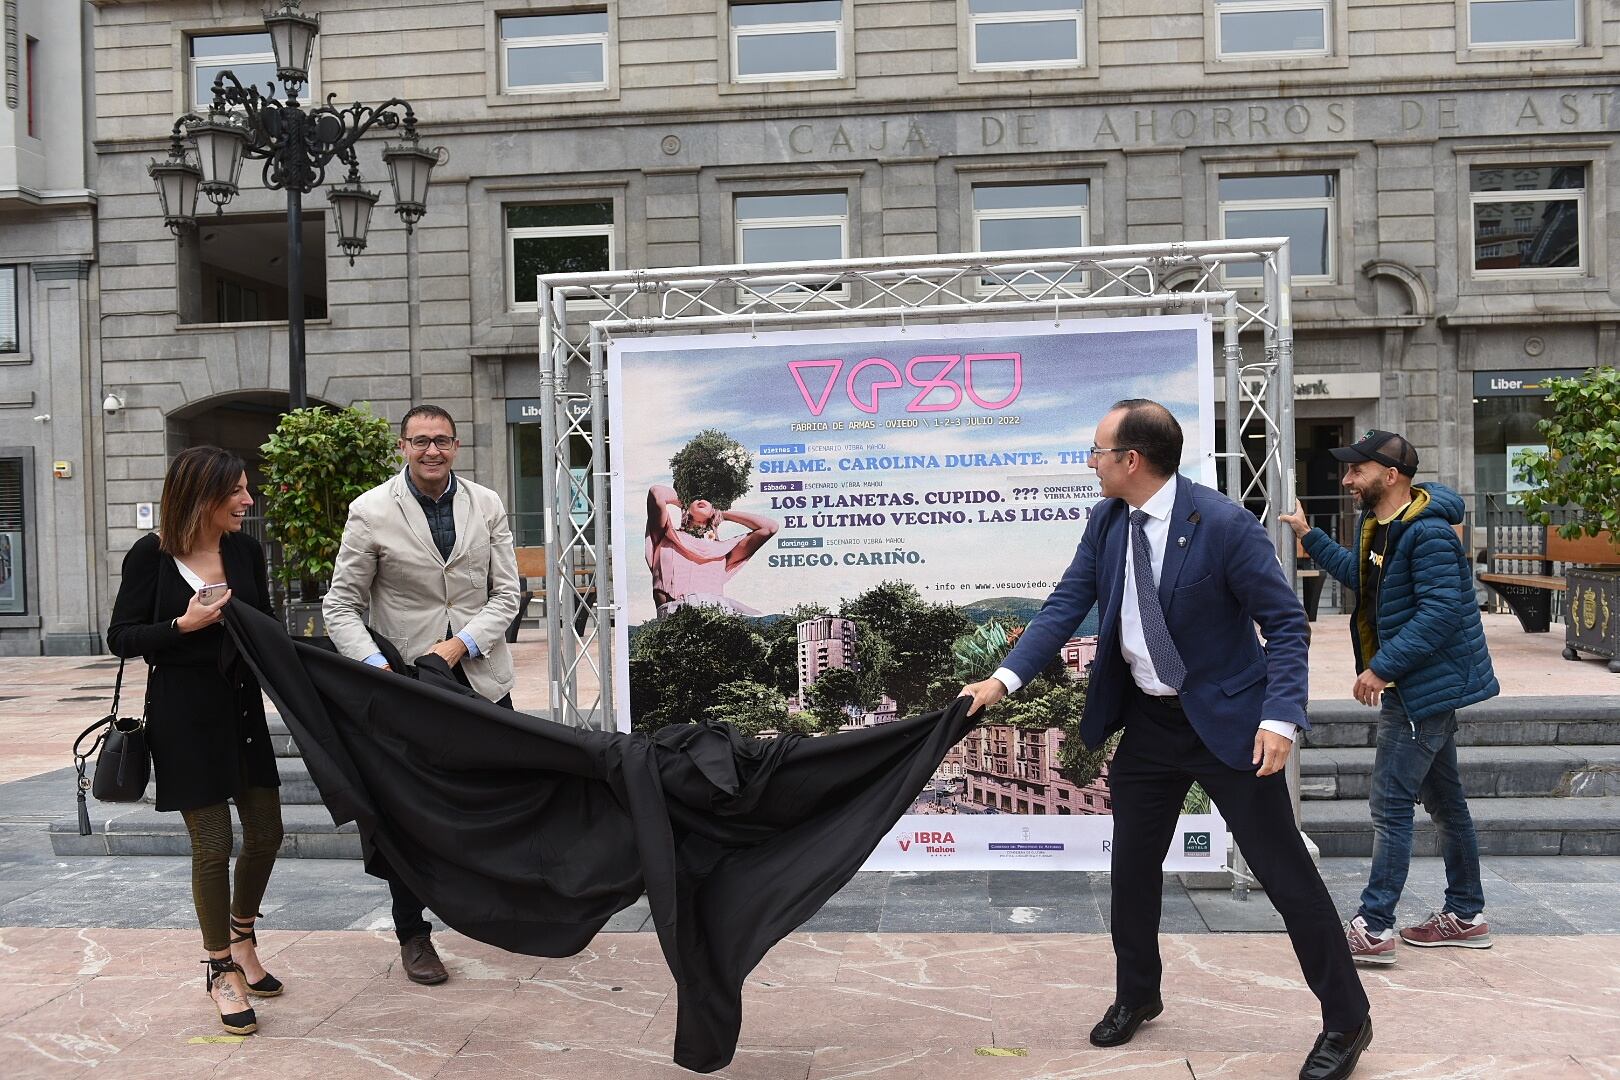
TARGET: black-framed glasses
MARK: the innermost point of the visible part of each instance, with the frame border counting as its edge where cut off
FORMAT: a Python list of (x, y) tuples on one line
[(1092, 452), (438, 442)]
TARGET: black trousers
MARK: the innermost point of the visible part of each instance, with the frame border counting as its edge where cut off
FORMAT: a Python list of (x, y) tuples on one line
[(1158, 759), (408, 919)]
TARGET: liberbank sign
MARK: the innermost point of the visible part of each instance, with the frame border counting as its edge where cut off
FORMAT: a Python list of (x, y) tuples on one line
[(1334, 118)]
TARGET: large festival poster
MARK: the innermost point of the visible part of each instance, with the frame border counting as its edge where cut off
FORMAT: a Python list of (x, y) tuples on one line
[(829, 529)]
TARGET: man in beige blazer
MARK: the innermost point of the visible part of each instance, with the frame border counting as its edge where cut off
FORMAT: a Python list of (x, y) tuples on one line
[(427, 562)]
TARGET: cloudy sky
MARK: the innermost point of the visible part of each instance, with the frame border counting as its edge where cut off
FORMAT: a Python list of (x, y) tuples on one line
[(663, 390)]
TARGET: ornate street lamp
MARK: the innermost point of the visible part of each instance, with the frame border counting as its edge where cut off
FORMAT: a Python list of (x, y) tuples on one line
[(296, 145), (176, 179), (351, 206)]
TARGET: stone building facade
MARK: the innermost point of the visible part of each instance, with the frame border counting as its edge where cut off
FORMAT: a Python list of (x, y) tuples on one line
[(1448, 169)]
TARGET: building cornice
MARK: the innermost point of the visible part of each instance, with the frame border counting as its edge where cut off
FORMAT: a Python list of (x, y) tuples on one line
[(967, 103)]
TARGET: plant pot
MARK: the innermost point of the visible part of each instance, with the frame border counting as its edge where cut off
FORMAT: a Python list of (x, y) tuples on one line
[(304, 619), (1592, 615)]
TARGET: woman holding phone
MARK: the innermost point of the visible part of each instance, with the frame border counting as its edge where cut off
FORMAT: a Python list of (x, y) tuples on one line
[(204, 715)]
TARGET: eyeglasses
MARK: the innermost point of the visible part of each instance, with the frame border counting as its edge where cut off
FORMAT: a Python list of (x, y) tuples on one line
[(1091, 453), (438, 442)]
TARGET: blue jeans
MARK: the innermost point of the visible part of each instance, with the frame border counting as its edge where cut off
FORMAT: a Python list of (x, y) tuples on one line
[(1418, 763)]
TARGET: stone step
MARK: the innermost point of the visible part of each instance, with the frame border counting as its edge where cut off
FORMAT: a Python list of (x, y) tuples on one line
[(1586, 720), (137, 829), (297, 789), (1343, 827), (1487, 771)]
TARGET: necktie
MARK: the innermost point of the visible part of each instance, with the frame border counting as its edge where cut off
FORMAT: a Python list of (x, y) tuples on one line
[(1161, 649)]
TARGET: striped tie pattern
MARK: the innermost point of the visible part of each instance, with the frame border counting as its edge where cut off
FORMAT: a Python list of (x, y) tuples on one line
[(1161, 649)]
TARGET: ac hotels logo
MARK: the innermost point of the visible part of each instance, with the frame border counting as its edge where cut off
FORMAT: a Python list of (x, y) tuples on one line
[(932, 843)]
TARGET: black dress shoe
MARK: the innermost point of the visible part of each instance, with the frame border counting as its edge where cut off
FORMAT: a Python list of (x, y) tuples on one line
[(1336, 1052), (1120, 1022)]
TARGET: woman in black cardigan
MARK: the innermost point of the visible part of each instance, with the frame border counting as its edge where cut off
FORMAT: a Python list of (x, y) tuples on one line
[(204, 714)]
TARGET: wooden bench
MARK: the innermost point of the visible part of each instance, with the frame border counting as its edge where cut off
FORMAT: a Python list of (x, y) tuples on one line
[(531, 567), (1313, 578), (1529, 596)]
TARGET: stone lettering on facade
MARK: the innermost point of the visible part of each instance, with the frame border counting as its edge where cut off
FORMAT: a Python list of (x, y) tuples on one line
[(1243, 122)]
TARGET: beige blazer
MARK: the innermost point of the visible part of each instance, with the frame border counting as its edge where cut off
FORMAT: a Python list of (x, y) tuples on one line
[(389, 574)]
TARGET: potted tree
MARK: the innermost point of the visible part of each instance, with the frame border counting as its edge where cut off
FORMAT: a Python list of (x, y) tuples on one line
[(317, 461), (1581, 472)]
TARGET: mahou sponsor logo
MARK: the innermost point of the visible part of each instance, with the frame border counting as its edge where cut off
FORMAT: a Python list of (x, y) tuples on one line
[(930, 843)]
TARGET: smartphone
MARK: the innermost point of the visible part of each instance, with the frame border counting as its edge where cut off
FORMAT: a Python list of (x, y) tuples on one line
[(209, 595)]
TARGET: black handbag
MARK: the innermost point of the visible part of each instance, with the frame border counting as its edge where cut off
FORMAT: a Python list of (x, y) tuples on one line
[(123, 763)]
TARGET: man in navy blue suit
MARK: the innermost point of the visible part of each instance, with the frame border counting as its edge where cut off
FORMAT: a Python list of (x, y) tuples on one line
[(1183, 576)]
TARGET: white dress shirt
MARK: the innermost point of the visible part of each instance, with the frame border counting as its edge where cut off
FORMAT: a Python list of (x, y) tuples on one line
[(1132, 642)]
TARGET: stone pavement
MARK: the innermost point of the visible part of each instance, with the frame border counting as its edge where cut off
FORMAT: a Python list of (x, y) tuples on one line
[(124, 1003), (900, 975)]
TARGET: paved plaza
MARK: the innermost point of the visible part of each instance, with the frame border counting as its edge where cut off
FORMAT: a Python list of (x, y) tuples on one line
[(901, 975)]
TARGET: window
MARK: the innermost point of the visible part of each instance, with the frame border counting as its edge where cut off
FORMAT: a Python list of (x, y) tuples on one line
[(792, 228), (1016, 217), (1255, 29), (237, 269), (1299, 206), (555, 238), (803, 40), (1020, 34), (10, 324), (247, 56), (31, 51), (1531, 218), (554, 52), (1507, 24), (13, 547)]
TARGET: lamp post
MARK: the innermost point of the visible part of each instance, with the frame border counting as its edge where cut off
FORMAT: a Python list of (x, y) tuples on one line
[(296, 145)]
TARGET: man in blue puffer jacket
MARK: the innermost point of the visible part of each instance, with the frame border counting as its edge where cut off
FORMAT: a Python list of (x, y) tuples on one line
[(1419, 646)]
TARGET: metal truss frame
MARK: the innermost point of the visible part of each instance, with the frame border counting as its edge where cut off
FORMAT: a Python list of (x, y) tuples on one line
[(580, 313)]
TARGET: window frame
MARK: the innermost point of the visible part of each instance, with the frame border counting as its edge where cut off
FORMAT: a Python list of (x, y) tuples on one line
[(1469, 44), (504, 45), (511, 235), (1261, 6), (1077, 13), (1583, 222), (24, 613), (977, 217), (1326, 202), (309, 92), (738, 228), (16, 271), (820, 75)]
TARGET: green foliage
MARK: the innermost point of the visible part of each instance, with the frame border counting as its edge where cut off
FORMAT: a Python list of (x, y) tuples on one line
[(980, 652), (1197, 800), (318, 461), (920, 636), (679, 664), (750, 707), (712, 466), (1581, 468)]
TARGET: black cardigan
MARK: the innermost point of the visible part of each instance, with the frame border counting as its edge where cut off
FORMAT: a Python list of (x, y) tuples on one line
[(204, 716)]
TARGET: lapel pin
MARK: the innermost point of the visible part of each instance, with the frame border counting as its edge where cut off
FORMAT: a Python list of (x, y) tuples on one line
[(1181, 541)]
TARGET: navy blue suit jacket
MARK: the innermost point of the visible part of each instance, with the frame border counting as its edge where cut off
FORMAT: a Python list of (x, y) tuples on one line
[(1214, 589)]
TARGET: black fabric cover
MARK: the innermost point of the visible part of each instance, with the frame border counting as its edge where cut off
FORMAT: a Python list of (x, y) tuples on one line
[(530, 835)]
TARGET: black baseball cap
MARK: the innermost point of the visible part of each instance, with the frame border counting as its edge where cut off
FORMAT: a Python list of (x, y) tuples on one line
[(1384, 447)]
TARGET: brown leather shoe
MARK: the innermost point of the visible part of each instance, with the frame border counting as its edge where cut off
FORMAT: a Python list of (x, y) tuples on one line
[(421, 961)]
